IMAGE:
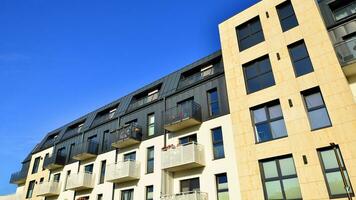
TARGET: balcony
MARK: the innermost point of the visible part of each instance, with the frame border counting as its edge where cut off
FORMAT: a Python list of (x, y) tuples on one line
[(51, 188), (346, 53), (142, 101), (183, 157), (54, 162), (183, 116), (19, 177), (126, 136), (123, 171), (194, 195), (80, 181), (86, 150)]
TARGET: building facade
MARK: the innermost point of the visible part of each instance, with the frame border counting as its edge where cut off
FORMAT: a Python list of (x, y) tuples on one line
[(270, 116)]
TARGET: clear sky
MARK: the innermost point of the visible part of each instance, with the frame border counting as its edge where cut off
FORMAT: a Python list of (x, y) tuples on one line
[(62, 59)]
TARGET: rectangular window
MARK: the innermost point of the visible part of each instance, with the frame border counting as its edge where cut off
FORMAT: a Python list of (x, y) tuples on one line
[(71, 150), (104, 145), (149, 192), (190, 185), (100, 197), (218, 143), (300, 58), (30, 188), (287, 16), (57, 177), (279, 178), (258, 74), (150, 124), (268, 121), (36, 164), (213, 102), (150, 160), (342, 10), (188, 139), (89, 168), (222, 186), (317, 112), (45, 158), (127, 194), (130, 156), (65, 182), (332, 164), (102, 172), (249, 33)]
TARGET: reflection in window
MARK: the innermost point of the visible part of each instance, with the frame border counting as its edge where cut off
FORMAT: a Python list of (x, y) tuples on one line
[(218, 143), (213, 102), (300, 58), (287, 16), (249, 33), (222, 186)]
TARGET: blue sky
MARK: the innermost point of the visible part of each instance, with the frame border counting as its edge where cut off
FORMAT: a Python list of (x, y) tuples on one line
[(62, 59)]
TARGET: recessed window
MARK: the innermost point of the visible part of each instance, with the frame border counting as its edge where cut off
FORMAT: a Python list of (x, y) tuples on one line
[(127, 194), (188, 139), (150, 124), (102, 172), (280, 180), (89, 168), (218, 143), (213, 102), (57, 177), (249, 34), (30, 188), (36, 164), (268, 121), (130, 156), (342, 10), (300, 58), (222, 186), (150, 160), (317, 111), (258, 74), (329, 160), (190, 185), (287, 16), (100, 197), (149, 192)]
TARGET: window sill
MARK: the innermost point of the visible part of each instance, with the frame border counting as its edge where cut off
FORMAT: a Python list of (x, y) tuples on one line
[(272, 140)]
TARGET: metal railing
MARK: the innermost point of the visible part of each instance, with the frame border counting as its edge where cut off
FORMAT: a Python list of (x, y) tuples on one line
[(143, 101), (89, 147), (182, 155), (80, 180), (49, 188), (217, 68), (133, 131), (346, 51), (54, 159), (121, 170), (193, 195), (102, 118), (189, 109)]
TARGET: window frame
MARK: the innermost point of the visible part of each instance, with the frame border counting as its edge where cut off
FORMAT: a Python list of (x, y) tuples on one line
[(148, 159), (217, 185), (150, 125), (293, 45), (102, 172), (131, 191), (147, 191), (220, 142), (278, 7), (36, 165), (210, 102), (325, 171), (247, 24), (29, 188), (190, 184)]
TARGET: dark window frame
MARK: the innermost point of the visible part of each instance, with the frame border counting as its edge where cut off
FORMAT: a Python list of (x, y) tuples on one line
[(129, 154), (102, 172), (36, 165), (190, 184), (149, 125), (149, 160), (147, 191), (131, 191), (210, 102), (281, 20), (99, 196), (250, 34), (217, 184), (325, 171), (219, 142), (293, 45), (30, 188), (189, 138)]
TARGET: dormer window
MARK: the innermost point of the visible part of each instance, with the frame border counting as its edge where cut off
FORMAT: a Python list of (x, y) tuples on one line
[(145, 97), (80, 126), (152, 96), (112, 113), (207, 71)]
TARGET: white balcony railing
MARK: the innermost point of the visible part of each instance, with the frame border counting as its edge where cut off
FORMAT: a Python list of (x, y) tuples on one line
[(123, 171), (183, 157), (195, 195), (50, 188), (80, 181)]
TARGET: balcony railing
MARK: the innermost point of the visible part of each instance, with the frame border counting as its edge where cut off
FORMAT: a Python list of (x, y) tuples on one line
[(126, 136), (142, 101), (183, 157), (80, 181), (346, 52), (194, 195), (182, 116), (86, 150), (50, 188), (200, 76), (19, 177), (102, 118), (123, 171), (54, 162)]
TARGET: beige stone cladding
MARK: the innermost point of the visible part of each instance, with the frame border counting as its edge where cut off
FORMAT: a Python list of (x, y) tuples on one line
[(327, 74)]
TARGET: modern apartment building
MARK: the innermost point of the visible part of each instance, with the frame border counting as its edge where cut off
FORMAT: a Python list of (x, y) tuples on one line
[(270, 116), (291, 84)]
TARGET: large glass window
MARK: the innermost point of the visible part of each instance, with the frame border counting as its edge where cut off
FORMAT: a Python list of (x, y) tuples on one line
[(258, 74), (218, 143), (342, 10), (30, 188), (300, 58), (287, 16), (102, 172), (127, 194), (213, 102), (332, 162), (268, 121), (190, 185), (149, 192), (150, 160), (249, 33), (150, 124), (222, 186), (280, 180), (317, 112), (36, 164)]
